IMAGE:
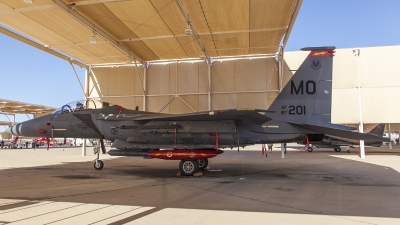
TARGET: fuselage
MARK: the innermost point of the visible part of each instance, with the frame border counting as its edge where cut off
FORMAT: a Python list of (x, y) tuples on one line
[(127, 133)]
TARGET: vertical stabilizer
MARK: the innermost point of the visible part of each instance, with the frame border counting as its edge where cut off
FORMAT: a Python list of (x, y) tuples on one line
[(378, 130), (307, 97)]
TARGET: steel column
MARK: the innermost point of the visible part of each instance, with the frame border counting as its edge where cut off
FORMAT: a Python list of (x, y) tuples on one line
[(144, 87), (390, 136), (209, 86), (356, 53)]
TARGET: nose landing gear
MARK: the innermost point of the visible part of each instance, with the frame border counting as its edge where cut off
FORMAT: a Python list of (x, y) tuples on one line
[(98, 164)]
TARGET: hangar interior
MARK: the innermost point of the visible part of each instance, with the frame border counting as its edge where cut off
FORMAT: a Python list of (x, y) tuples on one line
[(181, 56)]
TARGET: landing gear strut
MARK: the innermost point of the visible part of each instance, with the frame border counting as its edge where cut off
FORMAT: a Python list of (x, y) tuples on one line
[(98, 164)]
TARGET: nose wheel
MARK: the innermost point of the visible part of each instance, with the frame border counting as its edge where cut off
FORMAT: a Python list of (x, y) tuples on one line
[(98, 164)]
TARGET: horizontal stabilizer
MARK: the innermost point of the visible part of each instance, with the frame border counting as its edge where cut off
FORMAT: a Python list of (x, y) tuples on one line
[(340, 132), (250, 115)]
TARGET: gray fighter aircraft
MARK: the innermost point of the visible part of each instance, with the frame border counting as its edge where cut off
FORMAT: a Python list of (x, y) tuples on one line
[(303, 107), (327, 141)]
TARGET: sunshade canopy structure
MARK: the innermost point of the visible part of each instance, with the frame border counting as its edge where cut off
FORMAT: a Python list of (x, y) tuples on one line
[(16, 107), (148, 30)]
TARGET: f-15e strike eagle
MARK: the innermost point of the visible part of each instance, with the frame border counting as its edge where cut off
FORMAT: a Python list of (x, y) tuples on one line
[(302, 108)]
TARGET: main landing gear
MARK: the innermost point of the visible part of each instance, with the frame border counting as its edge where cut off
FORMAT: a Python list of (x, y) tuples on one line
[(203, 163), (190, 167), (310, 149), (338, 149)]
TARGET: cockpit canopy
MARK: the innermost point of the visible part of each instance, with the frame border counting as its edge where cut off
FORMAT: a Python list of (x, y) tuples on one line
[(81, 105)]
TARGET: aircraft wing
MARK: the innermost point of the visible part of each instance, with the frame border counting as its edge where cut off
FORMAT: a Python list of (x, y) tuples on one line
[(256, 116), (340, 133)]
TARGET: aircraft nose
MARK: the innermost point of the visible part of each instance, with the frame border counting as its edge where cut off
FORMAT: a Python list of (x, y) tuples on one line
[(23, 129)]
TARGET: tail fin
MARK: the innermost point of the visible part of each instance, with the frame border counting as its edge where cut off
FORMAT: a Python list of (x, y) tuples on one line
[(307, 97), (378, 130)]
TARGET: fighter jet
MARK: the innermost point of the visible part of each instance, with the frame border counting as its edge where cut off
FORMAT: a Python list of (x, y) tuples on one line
[(336, 142), (302, 108)]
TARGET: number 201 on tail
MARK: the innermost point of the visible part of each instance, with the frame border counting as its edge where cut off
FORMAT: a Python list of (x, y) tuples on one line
[(297, 110)]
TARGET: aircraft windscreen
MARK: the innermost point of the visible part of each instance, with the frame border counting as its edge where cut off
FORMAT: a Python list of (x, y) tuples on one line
[(80, 105)]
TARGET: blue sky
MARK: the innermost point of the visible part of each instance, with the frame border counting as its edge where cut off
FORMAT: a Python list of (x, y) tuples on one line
[(346, 24), (33, 76)]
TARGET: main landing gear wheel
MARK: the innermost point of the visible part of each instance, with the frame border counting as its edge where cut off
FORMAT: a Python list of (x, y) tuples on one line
[(98, 164), (338, 149), (310, 149), (203, 163), (188, 167)]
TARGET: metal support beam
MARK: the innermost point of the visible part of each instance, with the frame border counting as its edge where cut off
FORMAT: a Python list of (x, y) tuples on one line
[(86, 95), (84, 147), (280, 70), (40, 46), (77, 77), (195, 34), (209, 86), (144, 92), (183, 94), (187, 104), (72, 12), (356, 53), (140, 79), (390, 136), (94, 2), (87, 82), (166, 104), (295, 12), (204, 34)]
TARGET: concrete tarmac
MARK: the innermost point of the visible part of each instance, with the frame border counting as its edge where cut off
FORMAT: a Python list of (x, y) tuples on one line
[(59, 186)]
